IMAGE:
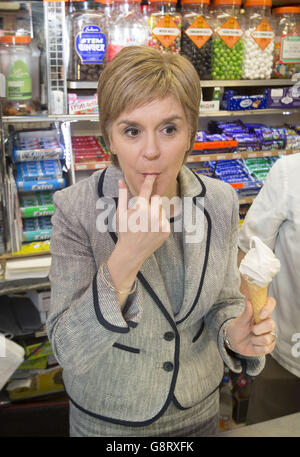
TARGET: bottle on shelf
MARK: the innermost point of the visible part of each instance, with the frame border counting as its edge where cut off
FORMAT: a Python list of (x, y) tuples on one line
[(128, 27), (226, 402), (19, 62), (196, 36), (106, 7), (241, 395), (258, 39)]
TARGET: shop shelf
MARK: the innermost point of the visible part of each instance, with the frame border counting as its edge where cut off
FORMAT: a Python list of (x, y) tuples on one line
[(239, 155), (248, 83)]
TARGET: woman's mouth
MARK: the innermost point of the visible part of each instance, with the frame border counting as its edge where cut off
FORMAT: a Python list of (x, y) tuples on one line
[(150, 173)]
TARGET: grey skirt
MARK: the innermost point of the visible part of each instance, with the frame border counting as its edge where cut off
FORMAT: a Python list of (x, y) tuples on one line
[(200, 420)]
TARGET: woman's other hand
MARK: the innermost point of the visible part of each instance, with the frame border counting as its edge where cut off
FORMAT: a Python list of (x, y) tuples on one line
[(250, 339)]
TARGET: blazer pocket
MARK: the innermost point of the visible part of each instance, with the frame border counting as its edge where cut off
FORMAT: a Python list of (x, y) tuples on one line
[(126, 348), (199, 333)]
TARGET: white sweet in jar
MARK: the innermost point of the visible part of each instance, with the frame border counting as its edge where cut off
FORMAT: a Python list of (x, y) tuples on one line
[(257, 63)]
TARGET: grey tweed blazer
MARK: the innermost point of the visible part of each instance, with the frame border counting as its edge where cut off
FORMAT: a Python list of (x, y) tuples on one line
[(126, 367)]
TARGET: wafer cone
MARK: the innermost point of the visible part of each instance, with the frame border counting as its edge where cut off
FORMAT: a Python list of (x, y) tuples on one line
[(258, 298)]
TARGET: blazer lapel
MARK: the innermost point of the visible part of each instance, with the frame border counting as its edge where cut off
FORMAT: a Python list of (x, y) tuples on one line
[(196, 233)]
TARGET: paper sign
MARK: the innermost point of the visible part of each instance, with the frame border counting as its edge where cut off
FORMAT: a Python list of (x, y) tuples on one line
[(199, 31), (263, 34), (230, 32)]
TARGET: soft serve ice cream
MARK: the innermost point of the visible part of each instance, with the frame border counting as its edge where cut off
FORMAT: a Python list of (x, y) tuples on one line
[(258, 267)]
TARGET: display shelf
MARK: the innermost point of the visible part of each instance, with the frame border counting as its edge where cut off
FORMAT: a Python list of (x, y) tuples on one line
[(23, 285), (239, 155), (194, 158), (50, 118), (259, 112), (8, 256), (248, 83), (95, 117), (247, 200), (91, 165), (82, 84), (204, 83)]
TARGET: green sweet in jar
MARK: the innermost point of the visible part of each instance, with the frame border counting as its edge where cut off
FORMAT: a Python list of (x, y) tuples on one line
[(227, 62)]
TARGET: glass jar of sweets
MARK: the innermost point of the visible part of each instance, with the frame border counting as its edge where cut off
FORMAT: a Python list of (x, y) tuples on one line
[(128, 27), (287, 42), (19, 63), (258, 39), (196, 36), (228, 47), (87, 41), (165, 23)]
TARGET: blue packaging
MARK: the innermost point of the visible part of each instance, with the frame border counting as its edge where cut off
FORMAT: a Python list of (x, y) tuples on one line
[(233, 102), (40, 184)]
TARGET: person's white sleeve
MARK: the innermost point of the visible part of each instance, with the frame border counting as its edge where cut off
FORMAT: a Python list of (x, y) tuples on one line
[(269, 209)]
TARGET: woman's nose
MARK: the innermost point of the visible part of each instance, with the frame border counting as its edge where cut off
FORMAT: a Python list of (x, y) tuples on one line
[(151, 148)]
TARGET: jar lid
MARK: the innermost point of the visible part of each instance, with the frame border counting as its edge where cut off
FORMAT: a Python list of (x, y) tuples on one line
[(162, 1), (258, 3), (199, 2), (104, 2), (228, 2), (126, 1), (13, 39), (287, 10)]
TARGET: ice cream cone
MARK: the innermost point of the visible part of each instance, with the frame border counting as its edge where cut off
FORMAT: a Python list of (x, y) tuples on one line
[(258, 298)]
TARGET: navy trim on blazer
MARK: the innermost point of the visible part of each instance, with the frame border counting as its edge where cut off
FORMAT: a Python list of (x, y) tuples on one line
[(100, 316), (203, 269), (176, 402), (199, 333), (156, 299), (169, 319), (126, 348), (209, 225)]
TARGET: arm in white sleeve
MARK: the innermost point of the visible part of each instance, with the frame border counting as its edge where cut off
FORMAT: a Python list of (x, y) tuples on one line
[(229, 305), (269, 209)]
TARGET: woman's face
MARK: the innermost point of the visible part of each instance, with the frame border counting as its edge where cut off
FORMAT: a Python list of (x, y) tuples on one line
[(151, 139)]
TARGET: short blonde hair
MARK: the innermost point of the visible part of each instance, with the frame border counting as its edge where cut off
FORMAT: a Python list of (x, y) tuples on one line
[(140, 74)]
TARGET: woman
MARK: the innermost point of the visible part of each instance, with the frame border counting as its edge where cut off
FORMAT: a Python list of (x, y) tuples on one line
[(141, 318)]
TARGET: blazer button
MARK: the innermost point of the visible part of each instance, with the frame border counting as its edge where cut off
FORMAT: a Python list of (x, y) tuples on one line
[(168, 366), (169, 336)]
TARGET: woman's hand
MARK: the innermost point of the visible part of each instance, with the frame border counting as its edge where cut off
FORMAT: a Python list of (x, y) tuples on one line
[(250, 339), (143, 228), (135, 246)]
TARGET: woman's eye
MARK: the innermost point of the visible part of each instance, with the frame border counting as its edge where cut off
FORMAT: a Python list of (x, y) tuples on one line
[(132, 132), (169, 129)]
